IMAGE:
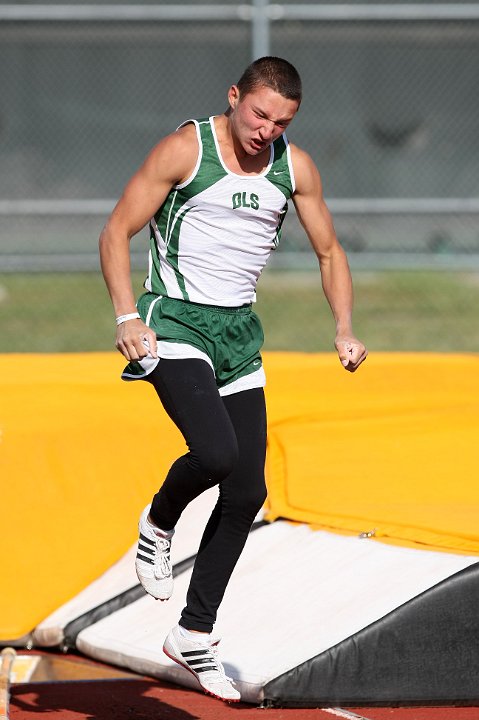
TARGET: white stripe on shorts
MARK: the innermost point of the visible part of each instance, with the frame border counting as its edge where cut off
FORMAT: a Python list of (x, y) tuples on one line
[(179, 351), (167, 351), (255, 379)]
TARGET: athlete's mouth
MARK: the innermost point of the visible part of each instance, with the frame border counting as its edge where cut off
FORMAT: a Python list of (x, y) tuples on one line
[(258, 144)]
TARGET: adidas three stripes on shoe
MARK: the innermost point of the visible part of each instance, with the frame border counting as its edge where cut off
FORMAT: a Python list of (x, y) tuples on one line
[(201, 659), (153, 563)]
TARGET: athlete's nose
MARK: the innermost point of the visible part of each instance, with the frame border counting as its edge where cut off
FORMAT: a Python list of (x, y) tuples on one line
[(267, 131)]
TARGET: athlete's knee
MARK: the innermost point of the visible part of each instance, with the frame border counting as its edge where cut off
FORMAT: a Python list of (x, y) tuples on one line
[(245, 501), (217, 459)]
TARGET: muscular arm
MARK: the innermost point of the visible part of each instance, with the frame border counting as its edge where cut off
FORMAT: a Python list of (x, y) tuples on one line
[(168, 164), (335, 274)]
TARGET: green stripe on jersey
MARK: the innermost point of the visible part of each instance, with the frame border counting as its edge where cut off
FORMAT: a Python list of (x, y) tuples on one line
[(211, 170), (278, 173), (173, 242)]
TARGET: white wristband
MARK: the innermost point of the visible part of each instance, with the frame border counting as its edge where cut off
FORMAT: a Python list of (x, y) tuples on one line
[(129, 316)]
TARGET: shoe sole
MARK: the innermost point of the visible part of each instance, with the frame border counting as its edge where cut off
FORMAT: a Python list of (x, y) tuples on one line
[(161, 599), (151, 594), (207, 692)]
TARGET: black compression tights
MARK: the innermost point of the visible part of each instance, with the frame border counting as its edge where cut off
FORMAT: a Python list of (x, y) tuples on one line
[(226, 438)]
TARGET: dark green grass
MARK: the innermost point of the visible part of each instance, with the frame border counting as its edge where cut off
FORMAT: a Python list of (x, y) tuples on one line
[(394, 311)]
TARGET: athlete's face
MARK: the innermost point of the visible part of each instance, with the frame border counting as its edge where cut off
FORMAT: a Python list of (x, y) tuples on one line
[(258, 118)]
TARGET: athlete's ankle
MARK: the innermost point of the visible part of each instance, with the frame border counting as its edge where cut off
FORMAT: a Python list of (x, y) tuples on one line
[(195, 635)]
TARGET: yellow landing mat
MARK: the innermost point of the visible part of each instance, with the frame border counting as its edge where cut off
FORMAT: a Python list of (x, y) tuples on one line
[(391, 451), (392, 448), (81, 454)]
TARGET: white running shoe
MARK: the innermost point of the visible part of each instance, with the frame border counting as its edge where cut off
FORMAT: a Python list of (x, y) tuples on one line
[(201, 659), (153, 563)]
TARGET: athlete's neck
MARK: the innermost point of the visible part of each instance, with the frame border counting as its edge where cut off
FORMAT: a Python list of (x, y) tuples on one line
[(234, 155)]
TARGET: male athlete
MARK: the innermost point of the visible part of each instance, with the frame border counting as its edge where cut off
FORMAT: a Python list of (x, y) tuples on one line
[(214, 194)]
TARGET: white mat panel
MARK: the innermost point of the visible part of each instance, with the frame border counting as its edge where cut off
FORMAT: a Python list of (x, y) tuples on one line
[(121, 576), (295, 593)]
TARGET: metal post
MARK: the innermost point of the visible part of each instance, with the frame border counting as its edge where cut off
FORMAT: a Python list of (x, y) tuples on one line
[(260, 34), (7, 656)]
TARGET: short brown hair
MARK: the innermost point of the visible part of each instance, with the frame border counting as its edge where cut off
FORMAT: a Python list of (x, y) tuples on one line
[(274, 73)]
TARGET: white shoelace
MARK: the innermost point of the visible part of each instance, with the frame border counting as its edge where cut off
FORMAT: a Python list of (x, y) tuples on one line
[(219, 665), (162, 566)]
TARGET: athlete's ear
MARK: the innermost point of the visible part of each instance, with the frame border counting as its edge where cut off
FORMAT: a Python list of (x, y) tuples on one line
[(233, 96)]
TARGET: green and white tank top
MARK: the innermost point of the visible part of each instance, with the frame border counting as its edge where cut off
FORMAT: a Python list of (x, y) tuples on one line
[(214, 233)]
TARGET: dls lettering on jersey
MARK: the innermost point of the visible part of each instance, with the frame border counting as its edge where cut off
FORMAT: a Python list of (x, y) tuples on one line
[(242, 199)]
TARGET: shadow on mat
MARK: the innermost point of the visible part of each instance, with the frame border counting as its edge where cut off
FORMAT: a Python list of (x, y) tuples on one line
[(99, 700)]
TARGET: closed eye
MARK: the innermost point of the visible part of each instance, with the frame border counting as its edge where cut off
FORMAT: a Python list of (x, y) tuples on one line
[(278, 123)]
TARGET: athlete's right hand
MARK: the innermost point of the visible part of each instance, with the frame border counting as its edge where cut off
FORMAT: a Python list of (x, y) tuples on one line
[(135, 340)]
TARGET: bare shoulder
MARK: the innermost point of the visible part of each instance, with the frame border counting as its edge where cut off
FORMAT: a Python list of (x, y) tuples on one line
[(175, 156), (305, 171), (301, 159)]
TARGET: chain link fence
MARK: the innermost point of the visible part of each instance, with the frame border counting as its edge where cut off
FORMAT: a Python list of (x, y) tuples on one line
[(390, 115)]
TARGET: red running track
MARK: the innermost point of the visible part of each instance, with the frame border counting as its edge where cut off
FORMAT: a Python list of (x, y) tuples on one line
[(115, 695), (146, 699)]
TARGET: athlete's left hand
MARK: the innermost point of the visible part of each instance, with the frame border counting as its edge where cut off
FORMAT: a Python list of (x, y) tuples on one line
[(351, 352)]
